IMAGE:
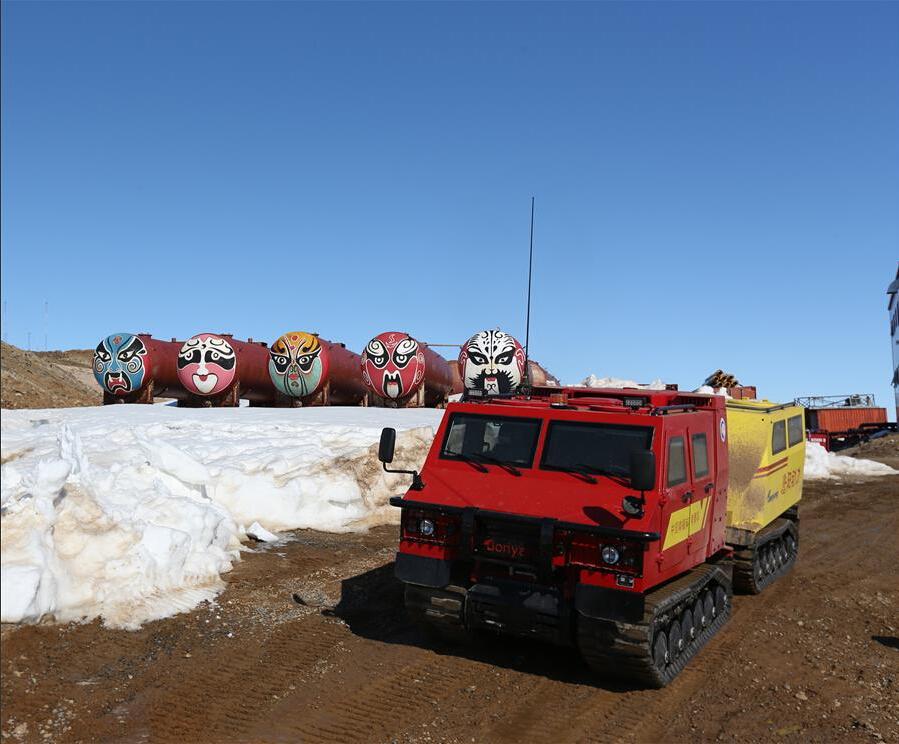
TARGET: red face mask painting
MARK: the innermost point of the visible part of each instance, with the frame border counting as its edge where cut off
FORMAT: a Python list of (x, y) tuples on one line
[(393, 365)]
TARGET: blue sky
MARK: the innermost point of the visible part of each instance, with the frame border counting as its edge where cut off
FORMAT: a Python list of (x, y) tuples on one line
[(717, 184)]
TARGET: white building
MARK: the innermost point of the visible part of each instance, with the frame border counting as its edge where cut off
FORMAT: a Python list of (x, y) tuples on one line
[(893, 306)]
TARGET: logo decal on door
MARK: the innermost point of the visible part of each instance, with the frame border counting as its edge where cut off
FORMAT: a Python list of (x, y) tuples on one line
[(685, 522)]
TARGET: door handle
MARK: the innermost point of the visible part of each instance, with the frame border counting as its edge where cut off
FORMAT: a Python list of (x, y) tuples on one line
[(687, 496), (709, 487)]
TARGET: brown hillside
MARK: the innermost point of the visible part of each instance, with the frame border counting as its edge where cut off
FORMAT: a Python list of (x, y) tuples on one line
[(52, 379)]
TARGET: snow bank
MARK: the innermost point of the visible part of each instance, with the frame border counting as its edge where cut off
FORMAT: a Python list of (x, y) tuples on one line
[(821, 464), (616, 382), (132, 513)]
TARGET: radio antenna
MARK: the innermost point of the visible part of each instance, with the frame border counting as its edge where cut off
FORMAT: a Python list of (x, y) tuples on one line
[(527, 323)]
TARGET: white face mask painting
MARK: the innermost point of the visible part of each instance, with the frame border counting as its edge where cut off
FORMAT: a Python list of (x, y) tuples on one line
[(492, 362)]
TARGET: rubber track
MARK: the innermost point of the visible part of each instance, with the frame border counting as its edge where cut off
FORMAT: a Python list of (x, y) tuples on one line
[(745, 560), (624, 650)]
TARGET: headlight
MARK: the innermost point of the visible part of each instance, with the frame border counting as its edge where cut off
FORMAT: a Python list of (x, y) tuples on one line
[(610, 555), (426, 527)]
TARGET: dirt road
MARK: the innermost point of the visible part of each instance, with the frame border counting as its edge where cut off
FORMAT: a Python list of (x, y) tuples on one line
[(310, 643)]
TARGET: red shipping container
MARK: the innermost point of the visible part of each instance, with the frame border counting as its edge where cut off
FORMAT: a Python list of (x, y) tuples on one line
[(843, 419)]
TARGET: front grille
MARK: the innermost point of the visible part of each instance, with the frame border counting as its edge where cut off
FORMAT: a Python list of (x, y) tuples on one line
[(506, 541)]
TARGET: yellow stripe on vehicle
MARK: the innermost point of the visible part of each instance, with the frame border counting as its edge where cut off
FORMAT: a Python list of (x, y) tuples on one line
[(685, 522), (698, 510)]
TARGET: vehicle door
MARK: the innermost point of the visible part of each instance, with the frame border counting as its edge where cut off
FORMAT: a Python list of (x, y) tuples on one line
[(677, 494), (701, 447)]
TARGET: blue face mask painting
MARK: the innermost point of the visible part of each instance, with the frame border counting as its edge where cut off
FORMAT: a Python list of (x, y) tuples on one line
[(120, 363)]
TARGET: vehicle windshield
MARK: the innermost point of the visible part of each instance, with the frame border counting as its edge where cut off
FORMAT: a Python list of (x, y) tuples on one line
[(485, 439), (603, 449)]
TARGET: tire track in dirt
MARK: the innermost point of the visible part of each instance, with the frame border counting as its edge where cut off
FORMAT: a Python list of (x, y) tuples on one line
[(392, 697), (257, 673), (552, 711)]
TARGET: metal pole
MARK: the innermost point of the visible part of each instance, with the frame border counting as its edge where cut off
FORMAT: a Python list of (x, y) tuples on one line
[(46, 314), (527, 323)]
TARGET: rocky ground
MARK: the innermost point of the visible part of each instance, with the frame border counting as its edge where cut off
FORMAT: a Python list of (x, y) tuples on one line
[(51, 379), (884, 449), (310, 643)]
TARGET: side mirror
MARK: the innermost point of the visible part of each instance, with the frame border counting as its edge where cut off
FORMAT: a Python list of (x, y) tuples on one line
[(643, 470), (385, 454), (387, 445)]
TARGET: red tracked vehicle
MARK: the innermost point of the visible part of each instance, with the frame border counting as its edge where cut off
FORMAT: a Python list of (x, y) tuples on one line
[(585, 517)]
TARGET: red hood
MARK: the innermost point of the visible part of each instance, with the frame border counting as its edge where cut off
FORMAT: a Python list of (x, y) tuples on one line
[(535, 493)]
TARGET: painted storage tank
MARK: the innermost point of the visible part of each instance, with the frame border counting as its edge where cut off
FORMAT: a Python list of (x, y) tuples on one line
[(217, 370), (539, 376), (137, 368), (309, 371), (400, 372), (491, 363)]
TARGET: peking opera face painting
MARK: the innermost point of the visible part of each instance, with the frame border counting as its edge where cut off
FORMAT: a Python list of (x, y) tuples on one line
[(297, 364), (206, 364), (492, 362), (120, 363), (393, 365)]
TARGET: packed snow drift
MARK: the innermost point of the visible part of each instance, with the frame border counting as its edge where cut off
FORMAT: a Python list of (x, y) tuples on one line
[(821, 464), (131, 513), (592, 381)]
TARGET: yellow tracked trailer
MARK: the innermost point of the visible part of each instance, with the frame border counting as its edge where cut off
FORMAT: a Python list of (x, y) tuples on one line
[(767, 454)]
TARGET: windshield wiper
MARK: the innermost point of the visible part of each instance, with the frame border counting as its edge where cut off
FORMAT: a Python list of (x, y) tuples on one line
[(608, 472), (471, 460), (507, 466), (579, 470)]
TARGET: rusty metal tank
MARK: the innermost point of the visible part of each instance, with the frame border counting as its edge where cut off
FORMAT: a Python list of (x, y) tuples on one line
[(137, 368), (308, 370), (458, 386), (218, 370), (401, 372), (493, 363), (539, 376)]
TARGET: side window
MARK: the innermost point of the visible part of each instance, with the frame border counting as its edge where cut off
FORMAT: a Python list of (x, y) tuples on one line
[(794, 429), (700, 456), (779, 437), (677, 461)]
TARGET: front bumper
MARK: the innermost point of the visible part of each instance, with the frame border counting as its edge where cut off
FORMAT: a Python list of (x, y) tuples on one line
[(524, 609), (417, 569)]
